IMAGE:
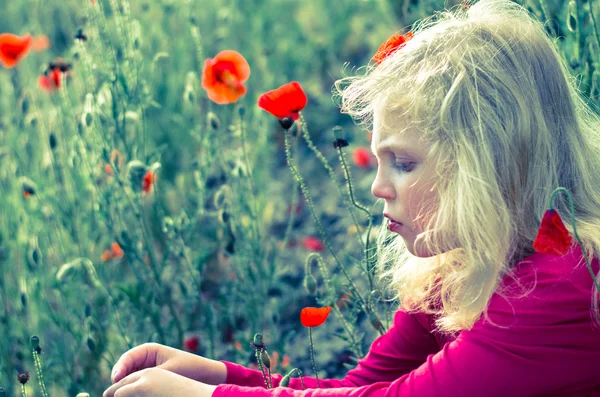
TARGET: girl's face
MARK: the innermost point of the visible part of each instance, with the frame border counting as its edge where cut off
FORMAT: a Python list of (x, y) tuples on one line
[(404, 179)]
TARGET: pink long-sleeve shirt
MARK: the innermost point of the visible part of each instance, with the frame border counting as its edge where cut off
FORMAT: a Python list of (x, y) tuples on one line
[(548, 347)]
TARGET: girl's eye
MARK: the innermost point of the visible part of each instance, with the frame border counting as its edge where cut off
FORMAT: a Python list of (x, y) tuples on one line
[(403, 167)]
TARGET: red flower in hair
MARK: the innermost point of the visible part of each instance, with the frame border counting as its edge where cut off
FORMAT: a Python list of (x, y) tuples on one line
[(314, 316), (552, 237), (285, 101), (223, 76), (391, 45)]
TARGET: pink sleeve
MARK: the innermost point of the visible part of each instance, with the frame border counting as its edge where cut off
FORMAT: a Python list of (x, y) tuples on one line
[(545, 346), (403, 348)]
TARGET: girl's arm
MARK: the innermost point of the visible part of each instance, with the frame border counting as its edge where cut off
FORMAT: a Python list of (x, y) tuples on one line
[(543, 344), (403, 348)]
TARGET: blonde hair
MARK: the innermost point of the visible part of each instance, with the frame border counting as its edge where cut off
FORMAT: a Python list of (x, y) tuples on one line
[(507, 125)]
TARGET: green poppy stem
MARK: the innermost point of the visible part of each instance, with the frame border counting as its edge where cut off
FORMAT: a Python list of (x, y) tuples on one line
[(312, 355)]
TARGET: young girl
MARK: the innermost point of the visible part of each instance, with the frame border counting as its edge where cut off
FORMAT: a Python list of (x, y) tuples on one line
[(476, 121)]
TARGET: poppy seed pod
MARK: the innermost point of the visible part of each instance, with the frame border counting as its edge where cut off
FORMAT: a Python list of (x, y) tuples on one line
[(266, 360), (136, 171), (23, 378), (258, 340), (34, 342), (286, 122)]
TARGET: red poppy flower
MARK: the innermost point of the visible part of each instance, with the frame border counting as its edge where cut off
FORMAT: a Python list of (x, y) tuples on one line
[(13, 48), (115, 251), (312, 244), (223, 76), (285, 101), (51, 81), (192, 343), (552, 237), (362, 157), (314, 316), (391, 45), (148, 181)]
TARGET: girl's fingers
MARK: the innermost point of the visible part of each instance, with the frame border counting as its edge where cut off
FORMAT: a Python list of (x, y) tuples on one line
[(110, 392), (140, 357)]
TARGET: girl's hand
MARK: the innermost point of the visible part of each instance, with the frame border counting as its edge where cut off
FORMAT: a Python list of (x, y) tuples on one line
[(186, 364), (157, 382)]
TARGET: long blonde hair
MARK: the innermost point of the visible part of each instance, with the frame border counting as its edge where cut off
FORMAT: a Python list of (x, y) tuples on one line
[(488, 89)]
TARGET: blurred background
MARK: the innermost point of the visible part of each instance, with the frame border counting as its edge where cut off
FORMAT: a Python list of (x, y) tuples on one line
[(222, 242)]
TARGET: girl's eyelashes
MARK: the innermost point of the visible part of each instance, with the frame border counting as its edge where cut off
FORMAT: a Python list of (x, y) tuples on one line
[(401, 167)]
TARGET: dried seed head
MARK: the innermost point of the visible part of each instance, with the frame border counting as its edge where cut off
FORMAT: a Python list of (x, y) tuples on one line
[(23, 378)]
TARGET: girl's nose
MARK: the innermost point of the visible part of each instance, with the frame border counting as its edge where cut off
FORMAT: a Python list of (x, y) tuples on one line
[(382, 188)]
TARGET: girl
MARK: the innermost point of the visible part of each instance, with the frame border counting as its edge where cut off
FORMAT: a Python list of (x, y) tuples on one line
[(476, 121)]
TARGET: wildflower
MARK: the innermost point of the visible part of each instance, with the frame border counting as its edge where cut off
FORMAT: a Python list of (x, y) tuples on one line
[(313, 316), (285, 103), (552, 235), (312, 244), (148, 181), (390, 46), (274, 361), (115, 157), (362, 157), (285, 362), (238, 345), (192, 343), (23, 378), (114, 252), (223, 76), (342, 301), (50, 81), (13, 48), (29, 188)]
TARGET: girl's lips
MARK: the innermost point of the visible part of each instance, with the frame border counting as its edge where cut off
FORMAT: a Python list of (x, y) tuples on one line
[(394, 226)]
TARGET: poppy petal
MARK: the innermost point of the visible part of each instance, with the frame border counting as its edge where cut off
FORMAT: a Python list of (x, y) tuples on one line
[(285, 101), (553, 237), (222, 77), (390, 46), (314, 316), (13, 48)]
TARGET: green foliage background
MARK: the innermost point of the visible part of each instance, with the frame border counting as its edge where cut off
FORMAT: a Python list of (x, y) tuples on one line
[(213, 251)]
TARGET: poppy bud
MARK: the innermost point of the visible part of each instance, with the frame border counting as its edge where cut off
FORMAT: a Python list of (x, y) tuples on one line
[(286, 122), (214, 121), (225, 216), (310, 283), (52, 140), (23, 378), (34, 342), (91, 344), (241, 111), (87, 311), (285, 381), (266, 360), (29, 187), (87, 119), (25, 105), (23, 299)]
